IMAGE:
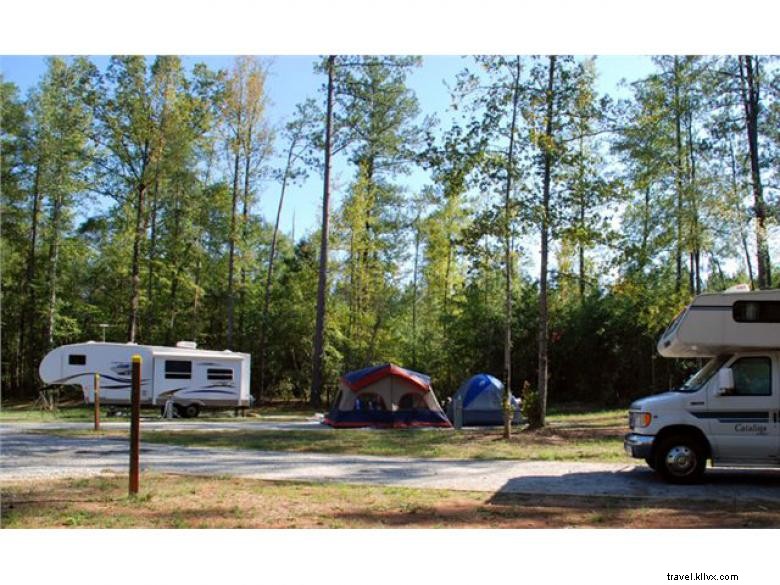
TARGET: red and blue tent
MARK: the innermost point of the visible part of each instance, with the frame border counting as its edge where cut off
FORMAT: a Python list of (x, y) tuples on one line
[(386, 396)]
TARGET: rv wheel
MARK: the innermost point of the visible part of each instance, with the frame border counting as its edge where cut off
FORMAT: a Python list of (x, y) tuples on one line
[(680, 459), (190, 411)]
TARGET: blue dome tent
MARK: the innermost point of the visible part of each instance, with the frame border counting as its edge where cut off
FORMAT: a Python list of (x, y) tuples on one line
[(482, 397)]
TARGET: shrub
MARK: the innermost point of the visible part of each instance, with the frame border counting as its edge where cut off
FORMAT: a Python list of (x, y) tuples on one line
[(531, 407)]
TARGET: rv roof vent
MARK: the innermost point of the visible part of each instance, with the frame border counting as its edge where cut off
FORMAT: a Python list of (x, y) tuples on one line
[(187, 344), (738, 288)]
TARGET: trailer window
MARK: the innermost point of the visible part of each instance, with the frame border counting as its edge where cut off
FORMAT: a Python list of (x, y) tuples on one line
[(219, 374), (178, 370), (757, 312), (76, 359), (752, 376)]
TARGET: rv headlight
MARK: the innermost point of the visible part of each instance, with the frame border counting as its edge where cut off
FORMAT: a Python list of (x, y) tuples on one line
[(638, 420)]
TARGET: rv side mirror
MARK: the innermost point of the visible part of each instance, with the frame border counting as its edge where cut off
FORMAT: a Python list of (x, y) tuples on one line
[(725, 381)]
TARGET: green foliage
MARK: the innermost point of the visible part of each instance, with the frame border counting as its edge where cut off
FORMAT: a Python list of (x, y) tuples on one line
[(531, 406), (650, 200)]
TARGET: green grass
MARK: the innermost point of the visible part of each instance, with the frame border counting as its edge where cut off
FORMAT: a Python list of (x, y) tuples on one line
[(453, 444), (588, 435), (589, 418), (584, 436), (26, 413), (74, 411), (181, 501), (591, 436)]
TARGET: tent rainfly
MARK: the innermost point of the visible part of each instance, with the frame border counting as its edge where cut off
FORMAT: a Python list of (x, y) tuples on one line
[(482, 399), (386, 396)]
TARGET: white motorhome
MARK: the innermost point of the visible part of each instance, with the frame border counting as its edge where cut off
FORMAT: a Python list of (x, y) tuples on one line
[(729, 411), (189, 377)]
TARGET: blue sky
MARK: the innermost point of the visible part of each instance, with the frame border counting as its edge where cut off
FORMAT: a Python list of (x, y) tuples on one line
[(292, 79)]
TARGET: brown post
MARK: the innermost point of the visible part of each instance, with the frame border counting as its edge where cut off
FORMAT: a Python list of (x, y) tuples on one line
[(97, 402), (135, 419)]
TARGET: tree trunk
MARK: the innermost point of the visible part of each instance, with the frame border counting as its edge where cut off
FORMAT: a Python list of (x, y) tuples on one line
[(678, 176), (25, 354), (695, 229), (739, 215), (232, 252), (176, 262), (446, 306), (196, 301), (751, 102), (269, 275), (414, 290), (645, 229), (508, 253), (322, 284), (581, 252), (54, 255), (581, 201), (543, 317), (135, 280), (244, 225), (152, 253)]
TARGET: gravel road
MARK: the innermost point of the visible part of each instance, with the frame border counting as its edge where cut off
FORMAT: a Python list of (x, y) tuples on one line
[(157, 424), (38, 456)]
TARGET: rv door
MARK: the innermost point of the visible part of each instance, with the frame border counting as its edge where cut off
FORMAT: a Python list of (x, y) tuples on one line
[(743, 420)]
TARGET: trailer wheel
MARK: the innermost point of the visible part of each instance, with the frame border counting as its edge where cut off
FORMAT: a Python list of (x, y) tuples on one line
[(190, 411), (680, 459)]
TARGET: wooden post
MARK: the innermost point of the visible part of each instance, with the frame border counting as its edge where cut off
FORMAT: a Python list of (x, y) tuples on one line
[(97, 402), (135, 419)]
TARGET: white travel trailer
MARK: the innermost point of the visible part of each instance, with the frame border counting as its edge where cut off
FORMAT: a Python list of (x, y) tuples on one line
[(189, 377), (729, 411)]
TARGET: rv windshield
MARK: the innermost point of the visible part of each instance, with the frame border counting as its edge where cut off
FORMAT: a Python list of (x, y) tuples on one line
[(702, 376)]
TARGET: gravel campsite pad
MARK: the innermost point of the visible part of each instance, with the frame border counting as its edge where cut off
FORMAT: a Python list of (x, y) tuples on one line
[(41, 456)]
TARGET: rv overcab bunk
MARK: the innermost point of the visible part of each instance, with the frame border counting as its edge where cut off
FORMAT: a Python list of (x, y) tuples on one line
[(729, 411), (191, 379), (734, 321)]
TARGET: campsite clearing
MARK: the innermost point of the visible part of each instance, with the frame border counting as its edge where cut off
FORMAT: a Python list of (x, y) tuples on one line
[(546, 445), (179, 501), (583, 436)]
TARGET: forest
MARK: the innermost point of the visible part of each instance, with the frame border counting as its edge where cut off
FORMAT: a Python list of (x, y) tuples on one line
[(559, 232)]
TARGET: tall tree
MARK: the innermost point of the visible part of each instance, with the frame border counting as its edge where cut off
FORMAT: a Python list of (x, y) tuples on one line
[(376, 117), (246, 133), (20, 215), (750, 76), (133, 127), (322, 284), (298, 135), (63, 120), (510, 169), (547, 148)]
